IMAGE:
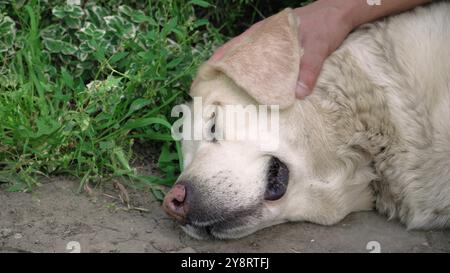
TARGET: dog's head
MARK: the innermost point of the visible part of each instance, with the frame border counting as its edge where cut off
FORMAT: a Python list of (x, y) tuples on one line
[(232, 187)]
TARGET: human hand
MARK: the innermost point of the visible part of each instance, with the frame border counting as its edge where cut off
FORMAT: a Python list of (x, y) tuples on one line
[(324, 24), (322, 29)]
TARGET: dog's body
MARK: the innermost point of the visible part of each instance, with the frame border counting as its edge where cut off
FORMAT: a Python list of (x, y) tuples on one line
[(405, 61), (374, 133)]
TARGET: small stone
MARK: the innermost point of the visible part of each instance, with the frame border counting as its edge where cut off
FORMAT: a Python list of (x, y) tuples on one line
[(17, 236), (5, 232)]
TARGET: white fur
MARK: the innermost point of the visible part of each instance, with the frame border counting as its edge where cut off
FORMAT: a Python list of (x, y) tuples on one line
[(374, 133)]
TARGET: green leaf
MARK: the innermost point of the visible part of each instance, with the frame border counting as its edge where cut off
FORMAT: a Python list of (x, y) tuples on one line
[(175, 62), (69, 49), (55, 31), (74, 11), (17, 187), (46, 126), (71, 22), (119, 26), (159, 194), (90, 30), (120, 156), (138, 104), (140, 17), (8, 178), (137, 16), (201, 3), (86, 47), (126, 10), (52, 45), (81, 56), (117, 57), (200, 22), (166, 156), (59, 12), (67, 78), (8, 33), (133, 124), (169, 27), (107, 145), (95, 14), (57, 46)]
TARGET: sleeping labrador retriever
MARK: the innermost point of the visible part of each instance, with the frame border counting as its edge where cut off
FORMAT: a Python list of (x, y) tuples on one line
[(374, 134)]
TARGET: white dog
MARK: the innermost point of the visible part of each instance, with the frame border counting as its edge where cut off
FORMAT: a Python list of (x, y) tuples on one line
[(375, 133)]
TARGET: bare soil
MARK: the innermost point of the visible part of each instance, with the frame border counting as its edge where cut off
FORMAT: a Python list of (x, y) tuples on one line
[(54, 216)]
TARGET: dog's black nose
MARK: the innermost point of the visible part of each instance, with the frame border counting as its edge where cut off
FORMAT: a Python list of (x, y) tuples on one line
[(174, 203)]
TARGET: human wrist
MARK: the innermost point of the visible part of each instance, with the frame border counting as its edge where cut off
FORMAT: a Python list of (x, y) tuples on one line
[(353, 13), (339, 11), (358, 12), (346, 11)]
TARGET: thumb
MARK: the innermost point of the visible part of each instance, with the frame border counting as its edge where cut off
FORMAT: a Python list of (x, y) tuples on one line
[(310, 66)]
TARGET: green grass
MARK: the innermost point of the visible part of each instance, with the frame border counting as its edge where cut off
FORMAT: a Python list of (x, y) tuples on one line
[(80, 85)]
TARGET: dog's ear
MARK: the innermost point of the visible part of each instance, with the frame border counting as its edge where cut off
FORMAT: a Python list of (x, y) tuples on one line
[(265, 63)]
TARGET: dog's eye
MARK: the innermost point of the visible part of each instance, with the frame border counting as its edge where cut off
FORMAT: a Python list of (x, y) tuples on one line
[(277, 180), (211, 129)]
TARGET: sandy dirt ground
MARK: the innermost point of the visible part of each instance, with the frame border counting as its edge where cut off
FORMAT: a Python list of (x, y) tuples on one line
[(54, 218)]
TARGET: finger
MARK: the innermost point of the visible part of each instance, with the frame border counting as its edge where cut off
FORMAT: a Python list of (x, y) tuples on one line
[(310, 66)]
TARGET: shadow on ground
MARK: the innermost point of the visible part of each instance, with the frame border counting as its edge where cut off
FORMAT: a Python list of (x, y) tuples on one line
[(54, 215)]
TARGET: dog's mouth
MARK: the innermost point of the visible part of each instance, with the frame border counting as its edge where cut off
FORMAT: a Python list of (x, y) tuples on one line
[(218, 229), (199, 232), (215, 231)]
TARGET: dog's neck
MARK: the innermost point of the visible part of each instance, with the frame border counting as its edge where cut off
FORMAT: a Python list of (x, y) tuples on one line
[(355, 107), (355, 126)]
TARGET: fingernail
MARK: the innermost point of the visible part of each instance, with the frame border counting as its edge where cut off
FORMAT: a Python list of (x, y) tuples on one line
[(302, 90)]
